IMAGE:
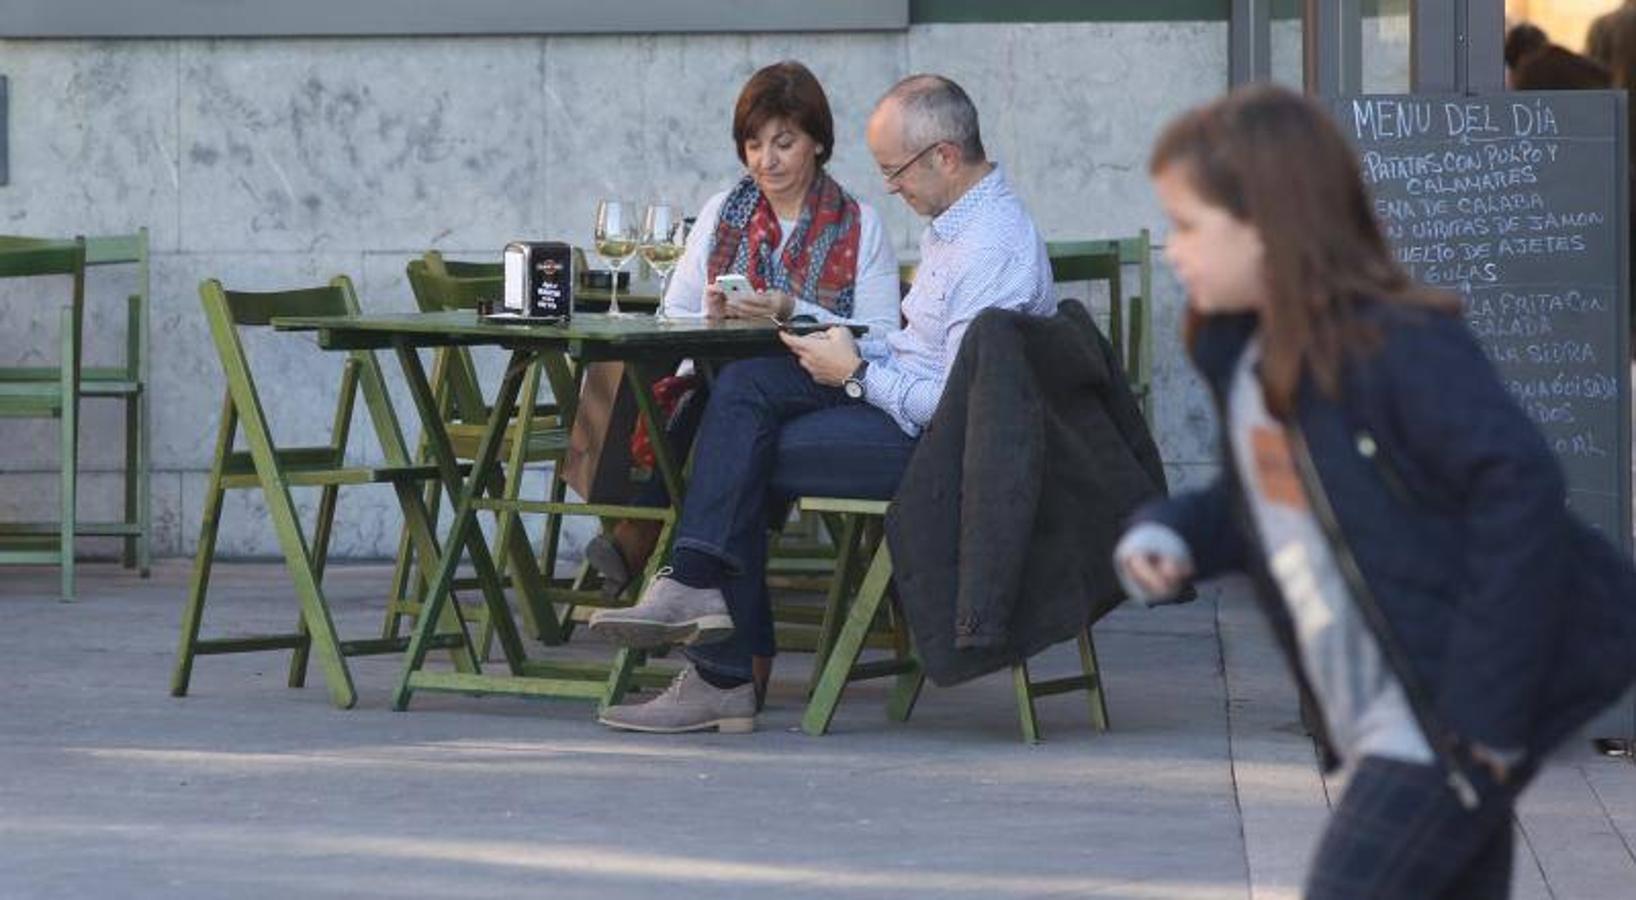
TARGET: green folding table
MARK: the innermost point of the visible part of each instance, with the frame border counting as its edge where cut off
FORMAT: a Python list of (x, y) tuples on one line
[(646, 345)]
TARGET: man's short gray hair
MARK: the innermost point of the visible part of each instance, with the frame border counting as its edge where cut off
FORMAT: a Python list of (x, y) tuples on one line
[(936, 109)]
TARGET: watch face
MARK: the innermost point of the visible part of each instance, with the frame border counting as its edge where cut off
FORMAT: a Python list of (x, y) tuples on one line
[(853, 389)]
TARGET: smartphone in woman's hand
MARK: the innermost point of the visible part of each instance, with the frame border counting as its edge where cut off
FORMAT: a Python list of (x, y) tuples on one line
[(735, 287)]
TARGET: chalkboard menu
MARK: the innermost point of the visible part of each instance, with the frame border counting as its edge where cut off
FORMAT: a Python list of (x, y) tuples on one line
[(1518, 201)]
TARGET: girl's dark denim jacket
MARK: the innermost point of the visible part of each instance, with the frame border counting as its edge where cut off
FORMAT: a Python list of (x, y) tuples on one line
[(1453, 507)]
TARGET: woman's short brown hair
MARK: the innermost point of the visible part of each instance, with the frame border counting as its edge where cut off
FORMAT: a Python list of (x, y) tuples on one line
[(784, 90)]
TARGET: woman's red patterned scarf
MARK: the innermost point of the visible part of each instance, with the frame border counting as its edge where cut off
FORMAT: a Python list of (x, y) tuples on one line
[(819, 263)]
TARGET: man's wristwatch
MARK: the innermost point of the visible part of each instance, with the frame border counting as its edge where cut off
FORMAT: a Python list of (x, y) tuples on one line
[(853, 385)]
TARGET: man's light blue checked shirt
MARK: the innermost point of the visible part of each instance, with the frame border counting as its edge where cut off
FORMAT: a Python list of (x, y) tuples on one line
[(982, 252)]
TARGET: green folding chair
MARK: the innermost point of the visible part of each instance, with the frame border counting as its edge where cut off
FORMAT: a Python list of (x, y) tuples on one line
[(52, 393), (126, 383), (274, 470), (861, 605), (1129, 312)]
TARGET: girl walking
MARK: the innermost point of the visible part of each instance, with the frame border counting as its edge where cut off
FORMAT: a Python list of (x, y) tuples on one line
[(1446, 617)]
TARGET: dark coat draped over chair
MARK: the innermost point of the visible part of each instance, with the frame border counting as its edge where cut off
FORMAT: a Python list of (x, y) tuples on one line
[(1003, 529)]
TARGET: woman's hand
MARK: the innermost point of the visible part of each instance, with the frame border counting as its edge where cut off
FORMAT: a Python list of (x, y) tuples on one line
[(830, 357), (715, 302), (773, 304)]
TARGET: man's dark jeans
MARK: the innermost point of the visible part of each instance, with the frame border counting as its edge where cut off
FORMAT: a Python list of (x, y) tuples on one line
[(771, 434)]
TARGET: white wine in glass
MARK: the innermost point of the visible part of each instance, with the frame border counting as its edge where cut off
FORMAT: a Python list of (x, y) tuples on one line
[(616, 239), (664, 238)]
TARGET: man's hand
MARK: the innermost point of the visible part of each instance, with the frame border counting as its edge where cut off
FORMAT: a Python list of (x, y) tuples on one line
[(828, 356)]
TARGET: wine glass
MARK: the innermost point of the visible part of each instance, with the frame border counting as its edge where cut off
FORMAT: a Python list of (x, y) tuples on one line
[(616, 241), (664, 237)]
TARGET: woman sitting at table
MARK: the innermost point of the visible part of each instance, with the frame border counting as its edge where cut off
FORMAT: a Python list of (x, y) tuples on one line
[(807, 247)]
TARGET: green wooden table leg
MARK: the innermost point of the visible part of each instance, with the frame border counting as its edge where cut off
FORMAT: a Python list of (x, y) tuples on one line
[(409, 590), (511, 539), (620, 676), (519, 554), (420, 526), (551, 543), (838, 669), (430, 612), (527, 580), (840, 585), (404, 580), (641, 376), (538, 616), (464, 532)]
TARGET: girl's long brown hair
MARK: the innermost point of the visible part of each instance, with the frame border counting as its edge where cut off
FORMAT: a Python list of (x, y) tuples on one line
[(1273, 159)]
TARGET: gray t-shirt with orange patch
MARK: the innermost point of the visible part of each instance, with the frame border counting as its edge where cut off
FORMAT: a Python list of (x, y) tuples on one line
[(1361, 698)]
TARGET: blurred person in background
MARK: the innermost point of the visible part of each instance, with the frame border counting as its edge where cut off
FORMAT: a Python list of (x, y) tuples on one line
[(1554, 68), (1522, 39), (1602, 36)]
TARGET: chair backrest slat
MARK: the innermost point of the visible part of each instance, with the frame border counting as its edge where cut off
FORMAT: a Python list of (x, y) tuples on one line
[(14, 241), (454, 268), (229, 310), (22, 257), (436, 292), (104, 249), (25, 257), (439, 286), (1083, 260), (260, 308)]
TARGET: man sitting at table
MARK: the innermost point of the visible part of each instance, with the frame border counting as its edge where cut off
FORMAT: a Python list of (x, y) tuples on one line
[(837, 417)]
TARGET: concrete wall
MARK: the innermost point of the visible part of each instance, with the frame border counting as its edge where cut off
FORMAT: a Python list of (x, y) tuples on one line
[(280, 162)]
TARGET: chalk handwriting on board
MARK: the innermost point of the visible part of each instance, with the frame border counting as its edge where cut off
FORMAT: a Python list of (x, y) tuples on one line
[(1382, 119), (1510, 200)]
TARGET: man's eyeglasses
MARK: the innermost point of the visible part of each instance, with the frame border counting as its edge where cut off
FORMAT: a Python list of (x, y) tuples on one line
[(892, 176)]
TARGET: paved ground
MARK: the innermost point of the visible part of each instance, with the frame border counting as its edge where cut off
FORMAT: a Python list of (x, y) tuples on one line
[(1205, 788)]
